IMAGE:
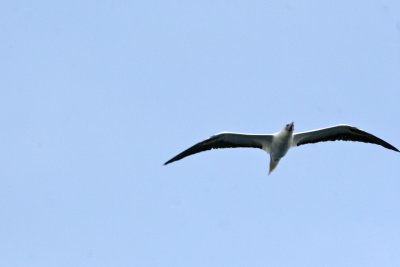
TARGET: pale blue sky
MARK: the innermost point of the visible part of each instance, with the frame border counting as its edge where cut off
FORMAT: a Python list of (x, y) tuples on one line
[(96, 95)]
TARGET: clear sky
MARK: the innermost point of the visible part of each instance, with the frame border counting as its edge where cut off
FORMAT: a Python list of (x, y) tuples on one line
[(96, 95)]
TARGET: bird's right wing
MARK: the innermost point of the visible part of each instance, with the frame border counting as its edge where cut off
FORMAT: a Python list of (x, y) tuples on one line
[(337, 133), (227, 140)]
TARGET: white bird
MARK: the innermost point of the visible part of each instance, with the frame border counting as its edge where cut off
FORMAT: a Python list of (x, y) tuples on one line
[(278, 144)]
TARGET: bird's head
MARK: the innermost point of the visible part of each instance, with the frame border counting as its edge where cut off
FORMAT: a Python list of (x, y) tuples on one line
[(289, 127)]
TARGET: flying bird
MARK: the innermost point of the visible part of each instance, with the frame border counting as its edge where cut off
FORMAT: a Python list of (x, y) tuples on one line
[(278, 144)]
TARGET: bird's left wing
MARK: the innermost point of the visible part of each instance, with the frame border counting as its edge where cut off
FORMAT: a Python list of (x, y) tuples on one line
[(339, 132), (227, 140)]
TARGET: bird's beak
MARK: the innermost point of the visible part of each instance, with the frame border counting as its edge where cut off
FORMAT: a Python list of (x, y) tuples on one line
[(291, 126)]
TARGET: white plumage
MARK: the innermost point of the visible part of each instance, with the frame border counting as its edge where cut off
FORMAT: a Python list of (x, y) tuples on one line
[(278, 144)]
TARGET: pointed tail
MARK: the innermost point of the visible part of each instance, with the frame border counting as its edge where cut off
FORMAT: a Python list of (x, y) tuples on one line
[(272, 165)]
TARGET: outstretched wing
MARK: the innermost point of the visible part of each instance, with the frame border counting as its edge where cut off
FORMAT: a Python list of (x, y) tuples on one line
[(226, 140), (339, 132)]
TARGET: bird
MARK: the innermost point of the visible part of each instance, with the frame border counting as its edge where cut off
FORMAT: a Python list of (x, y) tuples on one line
[(278, 144)]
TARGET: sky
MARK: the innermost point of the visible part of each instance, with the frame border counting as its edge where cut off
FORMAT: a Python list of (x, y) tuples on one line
[(96, 95)]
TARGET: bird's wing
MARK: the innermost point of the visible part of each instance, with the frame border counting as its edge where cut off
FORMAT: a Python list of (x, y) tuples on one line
[(226, 140), (339, 132)]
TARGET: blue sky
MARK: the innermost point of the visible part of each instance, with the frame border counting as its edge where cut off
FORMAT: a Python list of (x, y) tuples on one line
[(96, 95)]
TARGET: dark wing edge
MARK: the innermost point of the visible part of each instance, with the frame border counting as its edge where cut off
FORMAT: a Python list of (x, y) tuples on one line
[(222, 140), (341, 133)]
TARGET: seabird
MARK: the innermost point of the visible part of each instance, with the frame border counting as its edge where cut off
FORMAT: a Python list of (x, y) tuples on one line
[(278, 144)]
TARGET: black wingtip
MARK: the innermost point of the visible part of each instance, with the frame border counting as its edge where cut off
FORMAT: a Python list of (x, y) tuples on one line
[(394, 148), (389, 146), (169, 161)]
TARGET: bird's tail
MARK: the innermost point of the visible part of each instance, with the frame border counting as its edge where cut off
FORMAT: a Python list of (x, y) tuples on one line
[(272, 165)]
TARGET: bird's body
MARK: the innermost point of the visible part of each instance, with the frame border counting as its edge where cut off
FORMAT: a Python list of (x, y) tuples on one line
[(278, 144)]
